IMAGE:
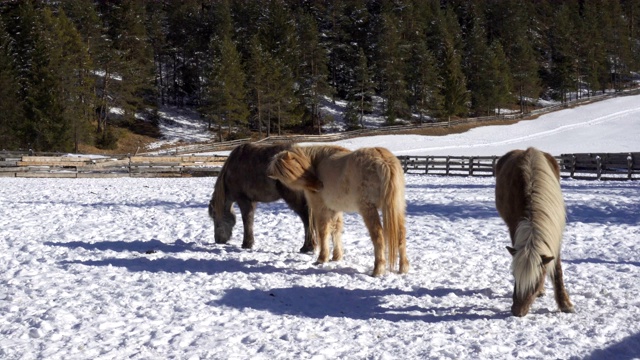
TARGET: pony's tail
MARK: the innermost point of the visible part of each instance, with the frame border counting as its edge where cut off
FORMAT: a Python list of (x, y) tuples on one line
[(218, 198), (538, 235), (393, 210)]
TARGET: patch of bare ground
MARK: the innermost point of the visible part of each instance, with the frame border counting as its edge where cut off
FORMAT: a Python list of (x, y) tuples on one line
[(457, 129), (128, 143)]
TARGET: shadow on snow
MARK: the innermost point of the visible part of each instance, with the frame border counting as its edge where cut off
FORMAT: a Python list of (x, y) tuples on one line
[(358, 304), (626, 349)]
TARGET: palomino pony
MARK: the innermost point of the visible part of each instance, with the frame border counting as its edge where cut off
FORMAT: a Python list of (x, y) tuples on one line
[(334, 180), (529, 200), (243, 180)]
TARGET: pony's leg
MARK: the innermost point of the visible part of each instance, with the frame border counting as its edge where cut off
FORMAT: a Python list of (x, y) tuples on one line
[(310, 243), (337, 225), (372, 221), (402, 249), (322, 223), (561, 295), (248, 209)]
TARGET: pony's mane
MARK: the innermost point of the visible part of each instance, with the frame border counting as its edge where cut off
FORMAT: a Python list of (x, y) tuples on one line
[(540, 232), (317, 153)]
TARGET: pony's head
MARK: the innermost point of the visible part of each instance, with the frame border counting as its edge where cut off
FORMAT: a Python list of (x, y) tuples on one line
[(223, 222), (294, 169), (529, 271)]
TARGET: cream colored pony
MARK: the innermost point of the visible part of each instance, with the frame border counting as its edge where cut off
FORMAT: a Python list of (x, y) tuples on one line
[(334, 180), (529, 200)]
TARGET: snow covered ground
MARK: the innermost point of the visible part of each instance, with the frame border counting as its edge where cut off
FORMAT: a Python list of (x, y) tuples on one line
[(127, 268)]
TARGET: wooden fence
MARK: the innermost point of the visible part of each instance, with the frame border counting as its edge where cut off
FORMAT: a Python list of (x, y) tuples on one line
[(594, 166), (123, 166)]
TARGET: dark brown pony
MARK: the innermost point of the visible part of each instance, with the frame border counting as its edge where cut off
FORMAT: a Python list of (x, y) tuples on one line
[(243, 180), (529, 200)]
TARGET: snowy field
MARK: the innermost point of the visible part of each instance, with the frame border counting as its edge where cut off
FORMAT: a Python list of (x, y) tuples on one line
[(128, 269)]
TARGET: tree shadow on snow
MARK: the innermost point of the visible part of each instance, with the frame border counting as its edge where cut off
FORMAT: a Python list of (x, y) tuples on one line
[(358, 304), (627, 349), (453, 187), (454, 211), (601, 261), (602, 213), (149, 262), (150, 246)]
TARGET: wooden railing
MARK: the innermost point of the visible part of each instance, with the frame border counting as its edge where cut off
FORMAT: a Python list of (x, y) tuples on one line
[(596, 166), (123, 166)]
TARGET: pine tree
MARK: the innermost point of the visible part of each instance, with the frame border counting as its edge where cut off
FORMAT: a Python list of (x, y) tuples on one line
[(453, 89), (10, 103), (313, 70), (616, 35), (257, 72), (478, 67), (423, 81), (563, 56), (501, 95), (392, 64), (77, 94), (360, 94), (226, 95), (591, 50)]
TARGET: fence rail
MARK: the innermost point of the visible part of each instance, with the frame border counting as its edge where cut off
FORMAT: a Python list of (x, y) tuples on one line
[(594, 166), (123, 166)]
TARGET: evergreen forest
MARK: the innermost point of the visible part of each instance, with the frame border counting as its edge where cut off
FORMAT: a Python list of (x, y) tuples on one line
[(77, 72)]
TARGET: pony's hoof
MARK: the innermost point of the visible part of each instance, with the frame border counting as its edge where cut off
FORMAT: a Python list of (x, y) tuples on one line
[(307, 249), (569, 309), (377, 272), (404, 268), (247, 246)]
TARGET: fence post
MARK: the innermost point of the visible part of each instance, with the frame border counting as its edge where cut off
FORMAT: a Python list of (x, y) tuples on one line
[(629, 166), (573, 165), (404, 163), (426, 164), (493, 165), (447, 165), (598, 167), (471, 166)]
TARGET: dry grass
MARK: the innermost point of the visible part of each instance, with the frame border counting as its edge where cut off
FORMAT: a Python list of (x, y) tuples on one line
[(458, 129), (128, 143)]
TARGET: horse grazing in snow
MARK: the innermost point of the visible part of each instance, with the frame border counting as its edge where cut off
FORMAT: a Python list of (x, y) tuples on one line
[(334, 180), (243, 180), (529, 200)]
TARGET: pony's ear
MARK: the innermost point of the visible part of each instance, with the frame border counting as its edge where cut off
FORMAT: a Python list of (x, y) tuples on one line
[(512, 251), (287, 156), (546, 259)]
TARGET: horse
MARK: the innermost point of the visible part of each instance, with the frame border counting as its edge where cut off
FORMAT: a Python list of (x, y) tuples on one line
[(243, 180), (529, 200), (335, 180)]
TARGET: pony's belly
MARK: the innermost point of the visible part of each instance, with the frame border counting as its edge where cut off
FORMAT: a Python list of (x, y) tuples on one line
[(338, 200), (341, 205)]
